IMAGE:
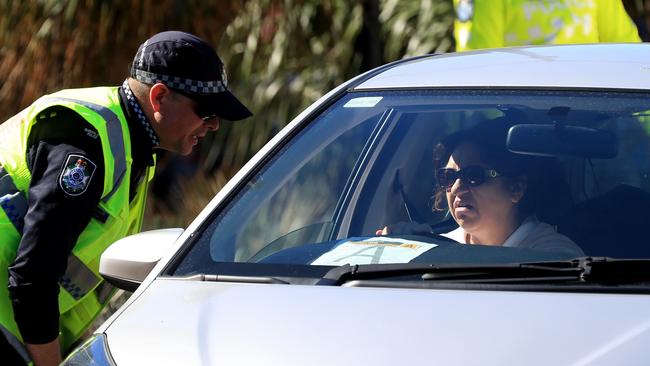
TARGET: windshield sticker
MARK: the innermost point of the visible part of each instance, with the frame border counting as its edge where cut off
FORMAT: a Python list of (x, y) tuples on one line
[(363, 102), (375, 250)]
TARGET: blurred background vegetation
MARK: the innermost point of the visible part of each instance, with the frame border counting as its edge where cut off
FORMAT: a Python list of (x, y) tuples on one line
[(281, 55)]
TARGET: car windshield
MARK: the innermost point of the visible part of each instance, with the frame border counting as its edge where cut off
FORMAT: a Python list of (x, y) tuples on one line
[(416, 176)]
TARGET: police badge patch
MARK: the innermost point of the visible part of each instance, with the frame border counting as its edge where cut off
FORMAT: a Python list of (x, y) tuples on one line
[(76, 174)]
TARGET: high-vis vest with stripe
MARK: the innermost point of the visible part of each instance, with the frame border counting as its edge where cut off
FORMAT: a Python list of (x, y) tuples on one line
[(500, 23), (83, 293)]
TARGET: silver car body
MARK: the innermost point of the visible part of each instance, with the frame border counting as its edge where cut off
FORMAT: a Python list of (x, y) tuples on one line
[(171, 321)]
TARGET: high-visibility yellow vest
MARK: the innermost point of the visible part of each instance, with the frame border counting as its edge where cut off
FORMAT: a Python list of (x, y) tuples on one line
[(83, 293), (499, 23)]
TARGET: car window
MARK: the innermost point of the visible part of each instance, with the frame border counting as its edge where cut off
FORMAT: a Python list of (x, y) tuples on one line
[(369, 162)]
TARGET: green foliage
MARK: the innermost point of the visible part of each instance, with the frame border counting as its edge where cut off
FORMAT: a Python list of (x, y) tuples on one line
[(47, 45), (413, 28), (281, 55)]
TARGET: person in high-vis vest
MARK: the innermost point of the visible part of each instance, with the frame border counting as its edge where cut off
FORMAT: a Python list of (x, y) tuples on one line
[(74, 172), (501, 23)]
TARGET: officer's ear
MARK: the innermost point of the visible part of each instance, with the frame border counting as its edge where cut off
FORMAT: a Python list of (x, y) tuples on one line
[(157, 95)]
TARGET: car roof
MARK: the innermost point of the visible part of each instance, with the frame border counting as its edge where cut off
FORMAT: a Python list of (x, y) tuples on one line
[(611, 66)]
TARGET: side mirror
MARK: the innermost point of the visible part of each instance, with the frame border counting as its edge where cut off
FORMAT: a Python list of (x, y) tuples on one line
[(128, 261)]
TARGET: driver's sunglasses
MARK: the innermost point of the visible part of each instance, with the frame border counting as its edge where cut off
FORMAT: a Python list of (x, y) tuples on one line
[(473, 176)]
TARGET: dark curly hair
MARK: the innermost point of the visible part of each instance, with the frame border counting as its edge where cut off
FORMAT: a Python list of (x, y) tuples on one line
[(490, 138)]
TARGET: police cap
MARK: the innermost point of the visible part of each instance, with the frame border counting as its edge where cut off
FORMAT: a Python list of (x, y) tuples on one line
[(187, 64)]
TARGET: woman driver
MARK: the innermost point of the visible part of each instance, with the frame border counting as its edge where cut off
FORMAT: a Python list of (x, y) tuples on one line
[(491, 193)]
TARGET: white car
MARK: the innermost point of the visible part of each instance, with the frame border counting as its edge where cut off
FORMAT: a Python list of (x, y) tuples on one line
[(290, 264)]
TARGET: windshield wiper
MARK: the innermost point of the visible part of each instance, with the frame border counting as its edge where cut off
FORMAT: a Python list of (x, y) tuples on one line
[(615, 271), (339, 275), (230, 278), (586, 270)]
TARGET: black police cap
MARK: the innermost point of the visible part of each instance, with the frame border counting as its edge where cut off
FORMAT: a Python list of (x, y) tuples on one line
[(186, 63)]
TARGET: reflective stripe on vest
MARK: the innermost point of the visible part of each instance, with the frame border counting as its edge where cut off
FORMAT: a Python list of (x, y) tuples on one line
[(16, 344), (115, 137), (12, 201), (78, 279)]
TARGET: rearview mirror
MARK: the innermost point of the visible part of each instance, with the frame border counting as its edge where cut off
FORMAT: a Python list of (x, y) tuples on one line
[(128, 261), (556, 140)]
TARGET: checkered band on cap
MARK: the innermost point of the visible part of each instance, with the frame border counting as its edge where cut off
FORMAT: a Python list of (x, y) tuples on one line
[(137, 110), (188, 85)]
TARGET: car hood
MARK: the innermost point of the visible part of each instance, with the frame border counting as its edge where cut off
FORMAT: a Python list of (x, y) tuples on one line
[(176, 322)]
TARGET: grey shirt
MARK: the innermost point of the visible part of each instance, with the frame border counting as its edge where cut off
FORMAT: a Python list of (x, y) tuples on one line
[(532, 234)]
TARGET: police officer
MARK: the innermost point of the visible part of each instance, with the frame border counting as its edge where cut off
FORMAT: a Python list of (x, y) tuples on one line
[(499, 23), (75, 167)]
